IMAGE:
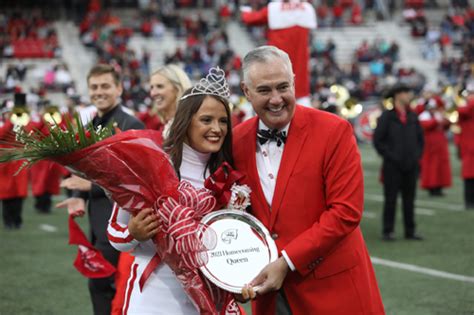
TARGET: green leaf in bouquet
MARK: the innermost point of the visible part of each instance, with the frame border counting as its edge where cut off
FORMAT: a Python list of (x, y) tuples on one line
[(33, 145)]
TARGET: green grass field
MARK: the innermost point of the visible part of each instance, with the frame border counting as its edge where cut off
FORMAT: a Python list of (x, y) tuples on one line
[(37, 276)]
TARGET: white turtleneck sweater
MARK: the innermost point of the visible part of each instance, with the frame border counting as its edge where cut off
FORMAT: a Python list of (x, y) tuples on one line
[(193, 165), (162, 293)]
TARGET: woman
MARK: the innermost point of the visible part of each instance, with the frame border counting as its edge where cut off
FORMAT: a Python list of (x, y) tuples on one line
[(167, 85), (199, 142)]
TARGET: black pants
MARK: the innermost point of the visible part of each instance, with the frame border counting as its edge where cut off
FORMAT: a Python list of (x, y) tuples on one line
[(43, 203), (396, 180), (102, 290), (12, 212), (282, 305), (469, 193)]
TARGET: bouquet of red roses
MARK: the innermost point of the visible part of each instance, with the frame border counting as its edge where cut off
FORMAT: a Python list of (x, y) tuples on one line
[(137, 174)]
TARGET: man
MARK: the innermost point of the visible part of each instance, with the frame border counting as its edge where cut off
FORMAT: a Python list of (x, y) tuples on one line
[(305, 173), (466, 145), (398, 138), (13, 189), (289, 24), (104, 90)]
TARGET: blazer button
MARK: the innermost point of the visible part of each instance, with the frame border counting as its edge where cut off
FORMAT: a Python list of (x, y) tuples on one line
[(274, 236)]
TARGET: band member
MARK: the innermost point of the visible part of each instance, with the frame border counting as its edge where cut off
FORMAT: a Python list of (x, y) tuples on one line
[(14, 189), (435, 163), (289, 25)]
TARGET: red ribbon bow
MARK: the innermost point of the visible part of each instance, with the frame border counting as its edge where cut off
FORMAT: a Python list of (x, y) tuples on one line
[(221, 181), (181, 225)]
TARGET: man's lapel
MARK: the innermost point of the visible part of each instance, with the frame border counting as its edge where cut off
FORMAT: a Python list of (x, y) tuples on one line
[(294, 145)]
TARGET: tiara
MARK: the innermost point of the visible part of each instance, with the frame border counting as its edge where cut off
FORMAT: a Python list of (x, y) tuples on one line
[(213, 84)]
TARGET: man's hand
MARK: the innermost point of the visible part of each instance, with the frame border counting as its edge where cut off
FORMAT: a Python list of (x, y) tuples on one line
[(75, 206), (77, 183), (247, 293), (144, 225), (271, 277)]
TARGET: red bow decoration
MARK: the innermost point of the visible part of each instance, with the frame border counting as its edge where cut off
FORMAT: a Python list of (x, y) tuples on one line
[(220, 183), (182, 230), (89, 261), (181, 223)]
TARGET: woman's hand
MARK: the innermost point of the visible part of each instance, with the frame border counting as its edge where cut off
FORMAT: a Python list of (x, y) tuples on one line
[(144, 225)]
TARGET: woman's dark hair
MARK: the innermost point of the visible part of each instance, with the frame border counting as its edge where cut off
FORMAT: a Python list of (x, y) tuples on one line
[(173, 144)]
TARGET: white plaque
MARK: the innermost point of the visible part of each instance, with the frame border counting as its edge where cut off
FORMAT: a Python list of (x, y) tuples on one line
[(244, 247)]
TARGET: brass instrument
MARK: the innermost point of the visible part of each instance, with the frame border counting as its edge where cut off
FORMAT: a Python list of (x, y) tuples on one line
[(52, 115), (388, 103), (20, 116), (453, 99), (348, 106)]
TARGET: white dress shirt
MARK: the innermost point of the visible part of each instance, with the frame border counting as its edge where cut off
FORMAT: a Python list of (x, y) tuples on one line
[(268, 157)]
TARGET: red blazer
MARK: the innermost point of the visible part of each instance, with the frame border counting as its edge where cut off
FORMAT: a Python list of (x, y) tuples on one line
[(316, 210)]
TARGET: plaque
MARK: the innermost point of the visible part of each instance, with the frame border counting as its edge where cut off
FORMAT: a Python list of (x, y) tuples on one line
[(244, 247)]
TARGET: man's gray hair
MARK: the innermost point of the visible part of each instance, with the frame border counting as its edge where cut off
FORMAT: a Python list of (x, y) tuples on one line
[(263, 54)]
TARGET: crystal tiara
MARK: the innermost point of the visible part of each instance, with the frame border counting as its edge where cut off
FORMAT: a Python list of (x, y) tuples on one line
[(213, 84)]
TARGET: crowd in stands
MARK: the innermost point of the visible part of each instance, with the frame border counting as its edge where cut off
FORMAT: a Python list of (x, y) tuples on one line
[(206, 44), (27, 34), (451, 41), (54, 77), (203, 52), (31, 34), (457, 30), (371, 71), (104, 32)]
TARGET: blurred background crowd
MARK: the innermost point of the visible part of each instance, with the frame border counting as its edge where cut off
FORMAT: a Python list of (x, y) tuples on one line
[(359, 49)]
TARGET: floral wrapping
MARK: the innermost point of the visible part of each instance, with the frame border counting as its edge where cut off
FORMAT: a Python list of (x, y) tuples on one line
[(137, 174)]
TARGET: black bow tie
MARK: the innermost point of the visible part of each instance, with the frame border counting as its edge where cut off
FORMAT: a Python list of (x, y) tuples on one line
[(264, 135)]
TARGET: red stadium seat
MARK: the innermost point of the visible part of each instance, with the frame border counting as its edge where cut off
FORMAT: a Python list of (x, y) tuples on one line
[(31, 48), (414, 3)]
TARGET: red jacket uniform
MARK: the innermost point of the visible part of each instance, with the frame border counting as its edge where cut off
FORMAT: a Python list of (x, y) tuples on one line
[(435, 163), (289, 29), (152, 122), (466, 138), (11, 186), (315, 215), (45, 175)]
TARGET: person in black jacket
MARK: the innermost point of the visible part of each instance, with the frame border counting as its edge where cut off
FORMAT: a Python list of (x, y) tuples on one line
[(105, 89), (398, 138)]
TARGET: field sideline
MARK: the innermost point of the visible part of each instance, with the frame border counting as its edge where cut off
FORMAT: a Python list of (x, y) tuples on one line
[(432, 277)]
